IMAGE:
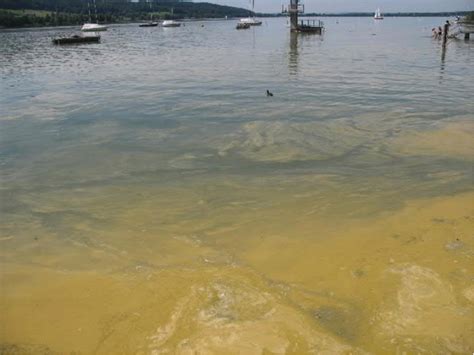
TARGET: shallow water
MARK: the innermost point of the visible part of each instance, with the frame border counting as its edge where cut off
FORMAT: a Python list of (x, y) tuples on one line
[(155, 200)]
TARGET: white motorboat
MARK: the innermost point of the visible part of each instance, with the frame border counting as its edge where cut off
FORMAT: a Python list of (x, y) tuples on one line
[(93, 27), (378, 15), (170, 23), (252, 21)]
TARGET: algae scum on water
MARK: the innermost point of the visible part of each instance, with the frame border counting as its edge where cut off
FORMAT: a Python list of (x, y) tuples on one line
[(172, 211)]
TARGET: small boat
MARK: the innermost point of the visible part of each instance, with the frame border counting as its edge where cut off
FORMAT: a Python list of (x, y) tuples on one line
[(148, 24), (90, 26), (242, 26), (170, 23), (151, 23), (76, 39), (252, 21), (378, 15), (93, 27)]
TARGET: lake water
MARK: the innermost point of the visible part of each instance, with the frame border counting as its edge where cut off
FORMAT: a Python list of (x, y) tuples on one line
[(155, 200)]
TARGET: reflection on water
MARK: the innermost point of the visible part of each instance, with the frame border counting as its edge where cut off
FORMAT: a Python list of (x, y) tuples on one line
[(443, 62), (293, 54), (154, 200)]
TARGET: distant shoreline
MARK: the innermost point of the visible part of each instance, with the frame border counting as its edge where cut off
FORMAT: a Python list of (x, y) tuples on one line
[(46, 27), (371, 14), (78, 21), (26, 13)]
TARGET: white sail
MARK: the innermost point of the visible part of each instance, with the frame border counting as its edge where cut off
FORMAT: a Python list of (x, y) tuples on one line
[(378, 15)]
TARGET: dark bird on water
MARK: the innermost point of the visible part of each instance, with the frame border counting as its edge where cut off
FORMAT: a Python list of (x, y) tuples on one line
[(269, 93)]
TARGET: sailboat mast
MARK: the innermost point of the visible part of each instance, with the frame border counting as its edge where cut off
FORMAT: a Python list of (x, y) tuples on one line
[(89, 7), (95, 12)]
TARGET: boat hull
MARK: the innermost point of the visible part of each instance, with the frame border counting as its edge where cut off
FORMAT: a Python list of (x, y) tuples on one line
[(170, 23), (154, 24), (242, 26), (92, 27), (251, 21), (76, 40)]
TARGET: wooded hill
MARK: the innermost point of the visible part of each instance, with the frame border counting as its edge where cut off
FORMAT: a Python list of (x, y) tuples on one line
[(17, 13)]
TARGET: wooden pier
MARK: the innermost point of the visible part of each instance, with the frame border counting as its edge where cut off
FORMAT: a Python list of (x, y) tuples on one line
[(460, 28), (308, 26)]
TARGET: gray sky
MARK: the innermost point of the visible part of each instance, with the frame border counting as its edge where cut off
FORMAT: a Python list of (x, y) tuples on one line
[(356, 5)]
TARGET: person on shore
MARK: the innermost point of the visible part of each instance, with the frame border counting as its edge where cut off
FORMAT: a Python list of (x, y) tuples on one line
[(434, 34), (440, 32)]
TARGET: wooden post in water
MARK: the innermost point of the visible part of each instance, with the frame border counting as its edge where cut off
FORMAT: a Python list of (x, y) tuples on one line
[(445, 33)]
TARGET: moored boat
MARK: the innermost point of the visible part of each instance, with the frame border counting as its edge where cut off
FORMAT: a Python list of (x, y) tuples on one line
[(93, 27), (170, 23), (378, 15), (251, 20), (77, 39), (148, 24)]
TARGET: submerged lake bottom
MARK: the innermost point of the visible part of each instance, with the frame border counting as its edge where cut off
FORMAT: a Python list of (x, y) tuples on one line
[(397, 283), (154, 200)]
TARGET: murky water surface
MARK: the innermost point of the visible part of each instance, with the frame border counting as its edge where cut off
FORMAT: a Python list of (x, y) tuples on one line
[(154, 200)]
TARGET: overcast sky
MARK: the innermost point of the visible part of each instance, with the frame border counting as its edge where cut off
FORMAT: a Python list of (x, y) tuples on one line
[(356, 5)]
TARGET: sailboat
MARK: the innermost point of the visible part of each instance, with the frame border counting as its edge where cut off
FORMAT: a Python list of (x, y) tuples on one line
[(171, 23), (151, 23), (252, 21), (90, 26), (378, 15)]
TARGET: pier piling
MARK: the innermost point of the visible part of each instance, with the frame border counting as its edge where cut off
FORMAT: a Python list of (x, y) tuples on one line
[(445, 33)]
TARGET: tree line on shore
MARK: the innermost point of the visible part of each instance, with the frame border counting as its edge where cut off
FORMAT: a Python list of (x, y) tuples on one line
[(21, 13)]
